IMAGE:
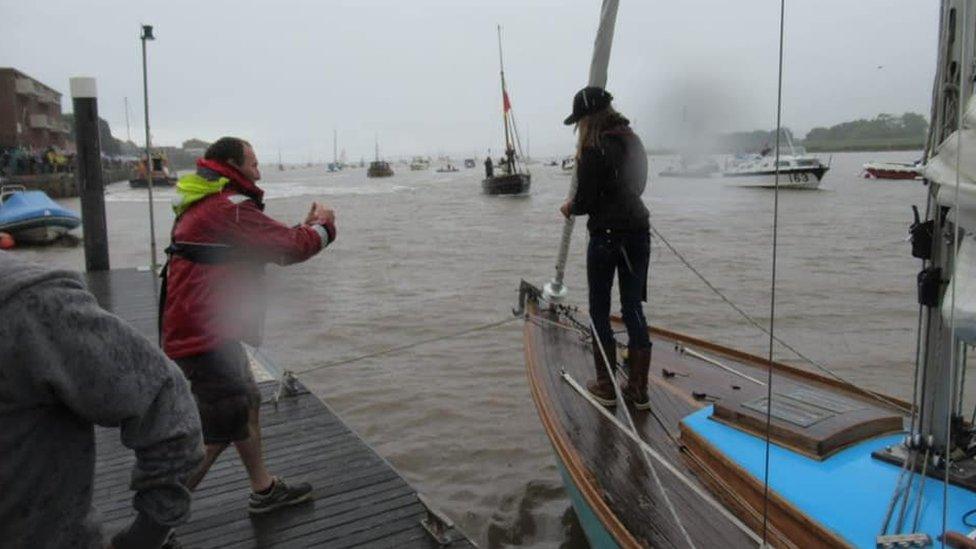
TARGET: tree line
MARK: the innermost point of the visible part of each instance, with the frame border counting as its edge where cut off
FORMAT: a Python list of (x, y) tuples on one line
[(885, 131)]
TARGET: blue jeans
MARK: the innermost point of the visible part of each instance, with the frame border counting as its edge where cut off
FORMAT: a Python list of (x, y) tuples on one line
[(627, 254)]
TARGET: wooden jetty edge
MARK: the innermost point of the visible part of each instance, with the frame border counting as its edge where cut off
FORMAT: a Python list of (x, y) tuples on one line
[(359, 498)]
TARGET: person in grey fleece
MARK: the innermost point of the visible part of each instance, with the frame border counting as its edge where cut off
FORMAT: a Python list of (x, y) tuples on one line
[(67, 365)]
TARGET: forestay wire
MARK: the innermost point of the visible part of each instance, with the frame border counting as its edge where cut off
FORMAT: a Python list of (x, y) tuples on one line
[(755, 323), (772, 292)]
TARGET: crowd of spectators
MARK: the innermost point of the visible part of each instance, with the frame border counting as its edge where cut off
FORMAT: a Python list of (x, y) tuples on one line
[(29, 161)]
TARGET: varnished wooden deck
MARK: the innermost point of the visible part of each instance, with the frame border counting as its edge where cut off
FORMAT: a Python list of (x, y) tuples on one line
[(360, 500), (625, 491)]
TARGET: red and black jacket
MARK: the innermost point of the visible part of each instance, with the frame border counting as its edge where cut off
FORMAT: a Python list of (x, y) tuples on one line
[(210, 302)]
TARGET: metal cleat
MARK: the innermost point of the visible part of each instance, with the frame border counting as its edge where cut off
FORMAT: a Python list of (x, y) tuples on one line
[(287, 386), (438, 525)]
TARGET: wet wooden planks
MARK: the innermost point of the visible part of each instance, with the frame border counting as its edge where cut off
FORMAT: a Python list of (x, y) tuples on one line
[(680, 383), (631, 490), (359, 498)]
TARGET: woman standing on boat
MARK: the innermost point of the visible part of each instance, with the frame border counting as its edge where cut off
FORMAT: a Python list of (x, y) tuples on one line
[(611, 168)]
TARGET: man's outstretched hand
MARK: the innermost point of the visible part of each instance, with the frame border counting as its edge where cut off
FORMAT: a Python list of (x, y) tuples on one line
[(320, 214)]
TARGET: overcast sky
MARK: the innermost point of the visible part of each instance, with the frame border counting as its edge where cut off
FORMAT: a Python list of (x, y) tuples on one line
[(423, 75)]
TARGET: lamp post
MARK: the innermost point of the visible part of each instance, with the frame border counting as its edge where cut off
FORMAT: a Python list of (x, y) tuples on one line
[(147, 34)]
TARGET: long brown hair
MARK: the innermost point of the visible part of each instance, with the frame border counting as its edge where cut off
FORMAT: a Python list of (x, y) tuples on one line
[(591, 126)]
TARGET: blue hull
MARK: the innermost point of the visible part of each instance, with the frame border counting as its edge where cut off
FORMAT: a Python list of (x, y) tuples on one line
[(596, 533), (28, 210)]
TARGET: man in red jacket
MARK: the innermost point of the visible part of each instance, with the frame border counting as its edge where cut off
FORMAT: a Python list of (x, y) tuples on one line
[(212, 303)]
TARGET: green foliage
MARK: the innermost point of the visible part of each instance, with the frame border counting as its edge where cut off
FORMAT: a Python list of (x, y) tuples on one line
[(882, 127)]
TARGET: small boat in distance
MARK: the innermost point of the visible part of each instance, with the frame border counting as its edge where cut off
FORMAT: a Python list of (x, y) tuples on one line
[(514, 177), (470, 163), (797, 169), (891, 170), (161, 176), (31, 217), (692, 169), (568, 164), (335, 165), (449, 168), (379, 168), (419, 163)]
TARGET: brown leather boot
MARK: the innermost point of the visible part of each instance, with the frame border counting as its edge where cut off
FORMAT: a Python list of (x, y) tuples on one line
[(601, 388), (638, 363)]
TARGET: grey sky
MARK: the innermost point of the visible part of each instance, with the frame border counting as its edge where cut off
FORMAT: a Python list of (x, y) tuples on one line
[(424, 74)]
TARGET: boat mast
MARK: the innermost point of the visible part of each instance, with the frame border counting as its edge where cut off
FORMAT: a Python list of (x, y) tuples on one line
[(376, 140), (555, 290), (335, 150), (943, 359), (509, 150)]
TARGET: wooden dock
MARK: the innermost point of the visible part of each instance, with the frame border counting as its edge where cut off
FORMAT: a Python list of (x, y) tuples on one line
[(360, 500)]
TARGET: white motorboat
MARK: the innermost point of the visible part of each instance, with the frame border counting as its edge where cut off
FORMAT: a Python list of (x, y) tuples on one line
[(797, 169)]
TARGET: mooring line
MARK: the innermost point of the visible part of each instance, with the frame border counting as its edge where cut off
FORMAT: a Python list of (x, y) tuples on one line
[(406, 346)]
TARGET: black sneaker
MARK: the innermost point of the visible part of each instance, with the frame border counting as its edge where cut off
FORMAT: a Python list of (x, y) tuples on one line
[(281, 495)]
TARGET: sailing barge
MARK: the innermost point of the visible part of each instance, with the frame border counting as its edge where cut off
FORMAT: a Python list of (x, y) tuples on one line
[(514, 177)]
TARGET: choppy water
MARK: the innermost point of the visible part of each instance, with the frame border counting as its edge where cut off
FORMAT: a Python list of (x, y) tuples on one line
[(422, 254)]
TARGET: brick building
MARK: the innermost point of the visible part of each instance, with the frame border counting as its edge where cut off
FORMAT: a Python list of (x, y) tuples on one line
[(30, 113)]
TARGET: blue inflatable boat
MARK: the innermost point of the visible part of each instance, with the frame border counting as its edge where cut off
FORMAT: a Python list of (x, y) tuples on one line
[(32, 217)]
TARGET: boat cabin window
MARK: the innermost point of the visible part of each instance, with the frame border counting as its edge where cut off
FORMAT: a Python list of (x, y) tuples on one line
[(808, 162), (157, 164)]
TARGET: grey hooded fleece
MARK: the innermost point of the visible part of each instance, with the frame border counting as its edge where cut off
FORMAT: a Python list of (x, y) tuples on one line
[(65, 366)]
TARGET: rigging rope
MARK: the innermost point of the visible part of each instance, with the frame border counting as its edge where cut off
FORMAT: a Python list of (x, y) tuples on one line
[(633, 430), (763, 329), (772, 296), (406, 346)]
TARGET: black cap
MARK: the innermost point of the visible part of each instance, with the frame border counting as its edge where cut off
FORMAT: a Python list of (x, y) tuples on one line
[(588, 101)]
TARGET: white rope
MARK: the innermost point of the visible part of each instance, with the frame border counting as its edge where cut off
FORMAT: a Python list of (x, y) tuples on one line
[(411, 345), (633, 431), (647, 449), (684, 350)]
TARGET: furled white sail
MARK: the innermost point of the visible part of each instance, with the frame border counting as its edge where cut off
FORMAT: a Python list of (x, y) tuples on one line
[(957, 151), (953, 169)]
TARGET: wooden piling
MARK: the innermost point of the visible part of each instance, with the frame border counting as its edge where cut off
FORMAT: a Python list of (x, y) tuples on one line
[(91, 185)]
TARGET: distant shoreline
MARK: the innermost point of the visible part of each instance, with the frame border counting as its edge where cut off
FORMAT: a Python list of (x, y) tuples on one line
[(880, 145), (823, 147)]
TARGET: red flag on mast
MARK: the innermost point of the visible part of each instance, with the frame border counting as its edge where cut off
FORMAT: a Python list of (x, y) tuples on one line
[(506, 104)]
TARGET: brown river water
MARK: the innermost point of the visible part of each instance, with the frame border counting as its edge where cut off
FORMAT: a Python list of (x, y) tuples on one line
[(423, 254)]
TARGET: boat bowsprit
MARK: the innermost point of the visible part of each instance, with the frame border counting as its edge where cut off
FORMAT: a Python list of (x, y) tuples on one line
[(32, 217)]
